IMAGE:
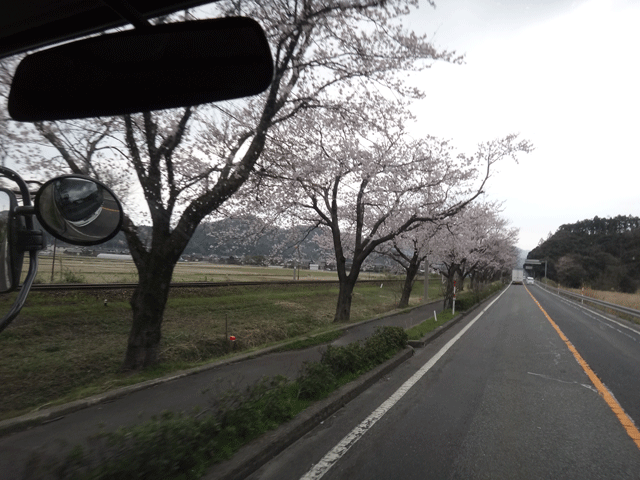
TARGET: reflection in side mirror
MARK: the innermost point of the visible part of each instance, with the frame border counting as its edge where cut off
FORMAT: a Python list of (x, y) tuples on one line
[(78, 210), (10, 258)]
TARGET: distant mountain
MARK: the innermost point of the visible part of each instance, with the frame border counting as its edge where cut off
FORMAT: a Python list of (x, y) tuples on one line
[(235, 240), (248, 236), (603, 253), (522, 256)]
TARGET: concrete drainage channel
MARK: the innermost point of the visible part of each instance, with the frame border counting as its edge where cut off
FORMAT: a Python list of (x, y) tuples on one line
[(258, 452)]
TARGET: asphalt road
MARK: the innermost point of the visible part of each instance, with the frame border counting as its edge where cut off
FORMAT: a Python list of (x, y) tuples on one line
[(499, 396)]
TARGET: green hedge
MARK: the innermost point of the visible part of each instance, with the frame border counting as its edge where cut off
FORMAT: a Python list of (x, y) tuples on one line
[(469, 298)]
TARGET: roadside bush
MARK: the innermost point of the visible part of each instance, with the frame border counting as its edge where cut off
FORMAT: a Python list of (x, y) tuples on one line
[(468, 299), (315, 381), (358, 357), (465, 301), (383, 344), (70, 277), (343, 360)]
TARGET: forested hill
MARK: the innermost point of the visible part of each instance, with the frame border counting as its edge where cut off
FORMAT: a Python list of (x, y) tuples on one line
[(602, 253)]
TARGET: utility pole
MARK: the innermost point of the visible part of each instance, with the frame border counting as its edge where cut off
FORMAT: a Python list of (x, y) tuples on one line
[(53, 263)]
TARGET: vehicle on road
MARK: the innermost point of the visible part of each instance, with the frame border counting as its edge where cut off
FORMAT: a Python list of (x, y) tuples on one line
[(530, 281), (517, 276)]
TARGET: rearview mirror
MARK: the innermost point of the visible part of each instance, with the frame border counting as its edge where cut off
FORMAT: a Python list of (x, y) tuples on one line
[(163, 66), (78, 210)]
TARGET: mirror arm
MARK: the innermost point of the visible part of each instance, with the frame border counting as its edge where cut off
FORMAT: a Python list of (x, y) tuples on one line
[(24, 291), (27, 209), (29, 239)]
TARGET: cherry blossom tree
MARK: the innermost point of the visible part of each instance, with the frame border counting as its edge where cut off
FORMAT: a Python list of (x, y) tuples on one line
[(477, 243), (410, 250), (355, 172), (187, 163)]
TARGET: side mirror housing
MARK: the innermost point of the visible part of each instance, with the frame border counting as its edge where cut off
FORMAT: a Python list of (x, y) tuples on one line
[(11, 257), (78, 210), (73, 208)]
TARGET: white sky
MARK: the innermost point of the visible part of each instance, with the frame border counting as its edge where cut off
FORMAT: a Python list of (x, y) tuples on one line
[(565, 75)]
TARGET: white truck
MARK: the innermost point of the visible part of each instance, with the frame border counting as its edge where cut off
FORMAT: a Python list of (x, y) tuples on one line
[(517, 276)]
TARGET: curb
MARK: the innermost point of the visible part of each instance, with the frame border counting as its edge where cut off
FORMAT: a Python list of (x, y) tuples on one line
[(258, 452), (39, 417)]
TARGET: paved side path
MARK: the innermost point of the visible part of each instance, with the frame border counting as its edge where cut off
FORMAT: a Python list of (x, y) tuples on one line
[(70, 425)]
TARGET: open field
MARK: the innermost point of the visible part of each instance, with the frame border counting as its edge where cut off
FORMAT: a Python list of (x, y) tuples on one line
[(66, 345), (630, 300), (77, 269)]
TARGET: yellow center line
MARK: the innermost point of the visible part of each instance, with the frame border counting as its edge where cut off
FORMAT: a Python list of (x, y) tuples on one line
[(604, 392)]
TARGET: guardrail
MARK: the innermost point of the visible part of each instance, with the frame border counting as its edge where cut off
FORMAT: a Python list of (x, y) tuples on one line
[(595, 301)]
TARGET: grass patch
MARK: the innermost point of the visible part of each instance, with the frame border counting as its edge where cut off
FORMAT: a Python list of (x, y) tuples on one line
[(68, 345), (419, 331)]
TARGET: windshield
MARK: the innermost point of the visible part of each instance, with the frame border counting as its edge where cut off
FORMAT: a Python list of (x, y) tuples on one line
[(400, 239)]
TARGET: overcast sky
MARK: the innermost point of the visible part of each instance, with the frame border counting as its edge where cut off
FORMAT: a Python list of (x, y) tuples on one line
[(565, 75)]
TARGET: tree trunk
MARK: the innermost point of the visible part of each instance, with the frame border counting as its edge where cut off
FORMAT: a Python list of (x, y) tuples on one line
[(345, 295), (148, 303), (412, 271), (448, 293)]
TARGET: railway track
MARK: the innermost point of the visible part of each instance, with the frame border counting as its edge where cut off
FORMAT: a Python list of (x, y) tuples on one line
[(130, 286)]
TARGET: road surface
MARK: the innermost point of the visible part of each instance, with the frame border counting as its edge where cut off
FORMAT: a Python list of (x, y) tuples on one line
[(501, 395)]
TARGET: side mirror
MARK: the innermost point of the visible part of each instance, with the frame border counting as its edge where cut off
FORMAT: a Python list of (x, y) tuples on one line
[(78, 210), (10, 256), (73, 208)]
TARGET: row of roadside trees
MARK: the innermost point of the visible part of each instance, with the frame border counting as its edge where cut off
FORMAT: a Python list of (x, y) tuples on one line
[(326, 146)]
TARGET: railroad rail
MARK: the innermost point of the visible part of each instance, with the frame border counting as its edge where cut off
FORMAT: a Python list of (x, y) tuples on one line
[(130, 286)]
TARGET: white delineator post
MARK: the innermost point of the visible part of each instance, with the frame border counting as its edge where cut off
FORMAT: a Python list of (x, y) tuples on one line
[(453, 310), (426, 280)]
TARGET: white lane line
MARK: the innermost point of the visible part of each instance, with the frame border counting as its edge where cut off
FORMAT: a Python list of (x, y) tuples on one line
[(332, 457)]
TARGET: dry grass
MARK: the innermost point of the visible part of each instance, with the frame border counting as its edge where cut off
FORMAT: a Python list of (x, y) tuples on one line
[(629, 300), (99, 270)]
